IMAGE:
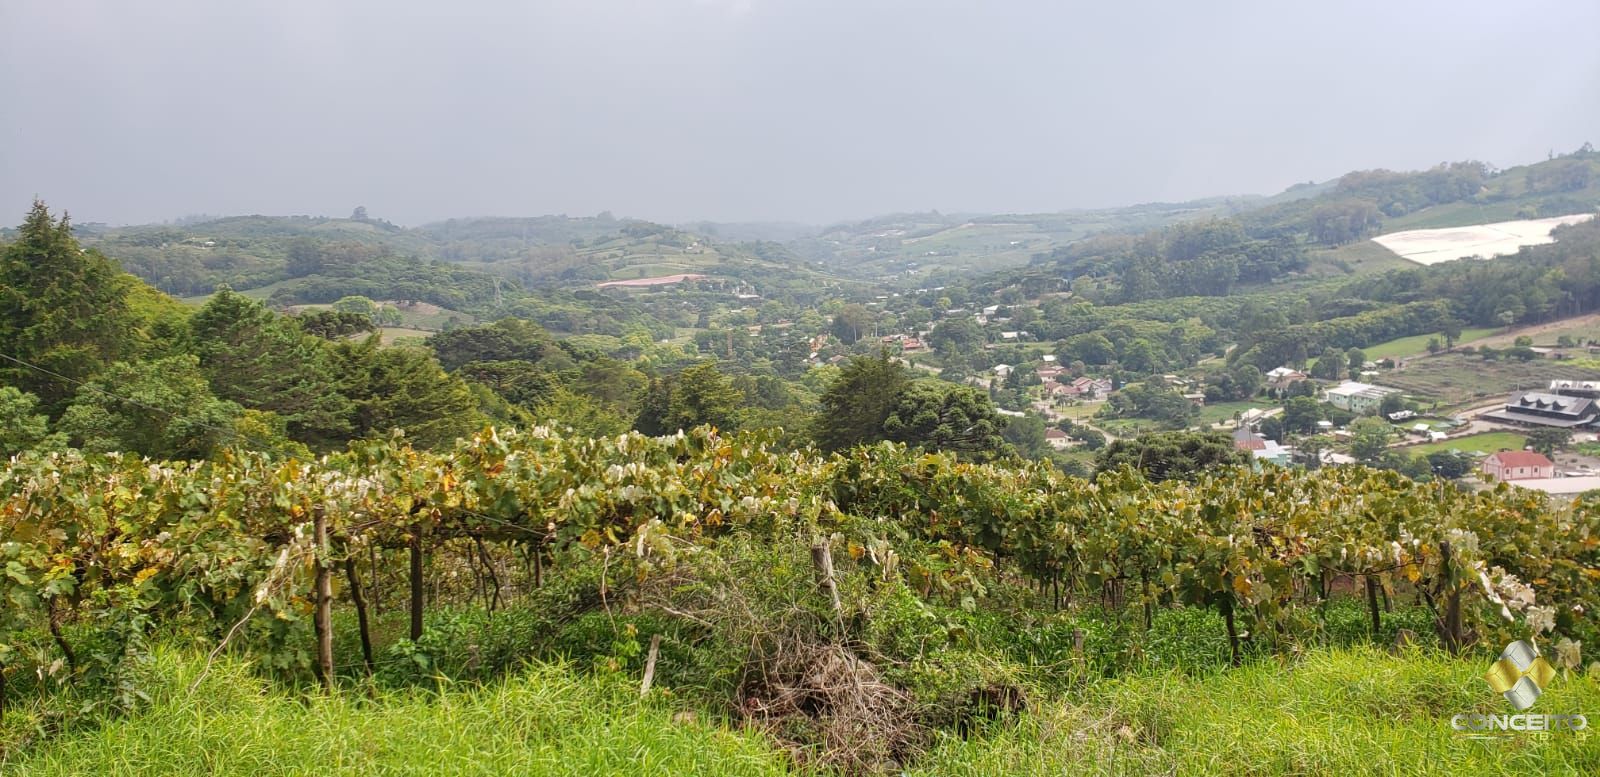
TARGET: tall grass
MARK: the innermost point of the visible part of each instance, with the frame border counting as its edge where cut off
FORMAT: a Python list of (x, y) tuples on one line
[(547, 720), (1346, 712), (1333, 712)]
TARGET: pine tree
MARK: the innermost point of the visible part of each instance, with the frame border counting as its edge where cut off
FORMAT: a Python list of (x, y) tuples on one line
[(63, 310), (405, 388), (264, 361), (858, 402)]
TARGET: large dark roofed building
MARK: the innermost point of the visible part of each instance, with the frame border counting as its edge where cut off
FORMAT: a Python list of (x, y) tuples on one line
[(1541, 408)]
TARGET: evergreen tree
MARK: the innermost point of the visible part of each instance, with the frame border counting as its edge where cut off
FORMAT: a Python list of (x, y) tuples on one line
[(62, 309), (264, 361), (697, 396), (1184, 455), (22, 426), (161, 408), (941, 416), (404, 388), (856, 403)]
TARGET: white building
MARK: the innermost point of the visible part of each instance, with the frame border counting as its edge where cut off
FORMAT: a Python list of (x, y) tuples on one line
[(1359, 398)]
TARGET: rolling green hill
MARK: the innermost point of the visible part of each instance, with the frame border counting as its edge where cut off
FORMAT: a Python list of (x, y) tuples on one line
[(273, 253)]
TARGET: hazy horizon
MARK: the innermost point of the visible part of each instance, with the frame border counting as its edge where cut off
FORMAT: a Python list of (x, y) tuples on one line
[(759, 110)]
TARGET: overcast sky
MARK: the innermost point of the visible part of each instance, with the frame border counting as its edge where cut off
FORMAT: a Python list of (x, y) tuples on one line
[(800, 110)]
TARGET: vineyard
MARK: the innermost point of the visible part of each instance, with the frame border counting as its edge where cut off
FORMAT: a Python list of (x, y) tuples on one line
[(813, 595)]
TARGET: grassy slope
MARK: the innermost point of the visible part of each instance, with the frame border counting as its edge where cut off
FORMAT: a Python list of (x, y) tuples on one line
[(548, 721), (1476, 443), (1217, 412), (1341, 713), (1418, 344), (1334, 712)]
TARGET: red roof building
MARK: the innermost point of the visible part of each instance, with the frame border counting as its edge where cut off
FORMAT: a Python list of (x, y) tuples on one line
[(1518, 465)]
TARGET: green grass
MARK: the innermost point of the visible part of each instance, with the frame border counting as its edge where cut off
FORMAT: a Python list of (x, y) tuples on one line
[(1214, 413), (1332, 712), (393, 334), (1126, 427), (1360, 258), (1455, 214), (1081, 411), (1412, 346), (548, 720), (1485, 443), (424, 317), (259, 293), (1466, 213)]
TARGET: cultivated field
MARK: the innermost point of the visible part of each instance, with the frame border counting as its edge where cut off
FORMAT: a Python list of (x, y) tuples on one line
[(1456, 378), (661, 280), (1432, 246)]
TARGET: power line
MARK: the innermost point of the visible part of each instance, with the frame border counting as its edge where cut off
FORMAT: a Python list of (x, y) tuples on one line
[(234, 433)]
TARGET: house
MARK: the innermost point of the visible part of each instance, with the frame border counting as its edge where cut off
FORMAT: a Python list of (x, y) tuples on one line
[(1048, 373), (1541, 408), (1273, 453), (1358, 398), (1335, 459), (1261, 449), (1091, 388), (1280, 378), (1057, 439), (912, 344), (1518, 465), (1058, 391), (1002, 371), (1196, 398)]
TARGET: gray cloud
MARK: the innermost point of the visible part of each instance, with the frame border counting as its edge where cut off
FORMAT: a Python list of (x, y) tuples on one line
[(760, 109)]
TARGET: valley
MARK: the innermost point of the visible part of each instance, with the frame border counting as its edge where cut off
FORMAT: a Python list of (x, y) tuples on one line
[(927, 472)]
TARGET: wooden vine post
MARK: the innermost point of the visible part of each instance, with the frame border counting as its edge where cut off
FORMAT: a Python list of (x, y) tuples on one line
[(360, 603), (416, 583), (650, 665), (324, 597), (822, 560), (1226, 605), (1372, 603), (1452, 601)]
